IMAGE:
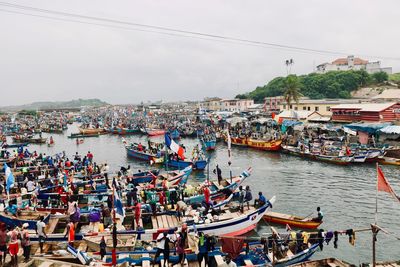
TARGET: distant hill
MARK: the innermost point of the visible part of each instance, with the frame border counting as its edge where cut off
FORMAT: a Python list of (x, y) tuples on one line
[(333, 84), (77, 103)]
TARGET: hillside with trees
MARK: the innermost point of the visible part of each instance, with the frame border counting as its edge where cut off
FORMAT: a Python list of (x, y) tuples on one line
[(77, 103), (333, 84)]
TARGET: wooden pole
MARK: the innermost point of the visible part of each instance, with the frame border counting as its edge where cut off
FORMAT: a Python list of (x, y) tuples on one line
[(114, 252)]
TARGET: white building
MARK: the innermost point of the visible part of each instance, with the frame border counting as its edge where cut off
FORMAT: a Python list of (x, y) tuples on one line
[(236, 105), (353, 63)]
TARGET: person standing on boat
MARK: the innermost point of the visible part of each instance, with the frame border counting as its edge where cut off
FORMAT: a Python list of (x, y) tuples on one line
[(163, 247), (70, 233), (138, 214), (180, 249), (25, 242), (3, 243), (204, 246), (106, 214), (13, 246), (248, 196), (206, 192), (42, 236), (219, 174)]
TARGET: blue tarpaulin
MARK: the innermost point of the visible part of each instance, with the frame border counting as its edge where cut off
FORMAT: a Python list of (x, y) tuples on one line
[(370, 128), (289, 123)]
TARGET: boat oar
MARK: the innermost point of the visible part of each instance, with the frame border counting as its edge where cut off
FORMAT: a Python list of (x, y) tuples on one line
[(304, 219)]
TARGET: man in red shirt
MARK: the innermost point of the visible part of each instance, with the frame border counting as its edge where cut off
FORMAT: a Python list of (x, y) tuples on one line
[(206, 192)]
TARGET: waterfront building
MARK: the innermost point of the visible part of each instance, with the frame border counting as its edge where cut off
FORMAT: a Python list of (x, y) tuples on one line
[(371, 112)]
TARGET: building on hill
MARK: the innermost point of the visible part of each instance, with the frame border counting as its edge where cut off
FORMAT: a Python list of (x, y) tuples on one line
[(322, 106), (353, 63), (371, 112)]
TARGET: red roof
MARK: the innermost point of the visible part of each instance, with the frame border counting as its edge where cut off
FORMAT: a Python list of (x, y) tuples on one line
[(344, 61)]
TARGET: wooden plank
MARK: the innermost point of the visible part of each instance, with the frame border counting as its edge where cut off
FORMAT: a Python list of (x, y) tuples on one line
[(51, 226), (219, 260), (175, 221), (145, 263), (154, 222), (46, 248), (248, 263), (45, 264), (160, 222), (194, 264), (170, 222), (164, 219), (82, 246)]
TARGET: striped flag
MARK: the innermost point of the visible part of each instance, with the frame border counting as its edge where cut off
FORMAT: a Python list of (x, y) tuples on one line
[(118, 204), (174, 146)]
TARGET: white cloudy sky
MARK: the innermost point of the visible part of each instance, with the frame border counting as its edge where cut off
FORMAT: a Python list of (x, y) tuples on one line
[(44, 59)]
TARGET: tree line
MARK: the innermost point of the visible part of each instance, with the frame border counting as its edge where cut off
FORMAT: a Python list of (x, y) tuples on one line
[(333, 84)]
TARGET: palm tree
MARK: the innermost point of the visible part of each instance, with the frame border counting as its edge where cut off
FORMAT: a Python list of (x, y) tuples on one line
[(292, 90)]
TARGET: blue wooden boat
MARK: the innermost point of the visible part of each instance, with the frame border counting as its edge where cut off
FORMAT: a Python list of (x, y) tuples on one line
[(144, 176), (218, 191), (132, 151), (208, 144), (181, 164), (15, 145), (25, 216)]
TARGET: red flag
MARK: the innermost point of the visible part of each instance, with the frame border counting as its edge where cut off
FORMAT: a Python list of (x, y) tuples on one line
[(383, 184)]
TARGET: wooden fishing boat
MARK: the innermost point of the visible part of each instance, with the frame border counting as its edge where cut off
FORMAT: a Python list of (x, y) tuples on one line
[(15, 145), (329, 262), (291, 220), (389, 161), (219, 191), (274, 145), (132, 151), (29, 139), (91, 130), (338, 160), (181, 164), (208, 142), (229, 223), (144, 176), (174, 177), (24, 216), (80, 135), (238, 141), (155, 132)]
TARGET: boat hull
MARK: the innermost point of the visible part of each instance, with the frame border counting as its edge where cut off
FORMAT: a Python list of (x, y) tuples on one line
[(197, 165), (272, 218)]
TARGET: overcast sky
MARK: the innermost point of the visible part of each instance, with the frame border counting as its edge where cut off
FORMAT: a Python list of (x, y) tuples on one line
[(44, 59)]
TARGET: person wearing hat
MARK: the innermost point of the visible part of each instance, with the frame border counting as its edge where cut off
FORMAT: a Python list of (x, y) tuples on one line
[(26, 242)]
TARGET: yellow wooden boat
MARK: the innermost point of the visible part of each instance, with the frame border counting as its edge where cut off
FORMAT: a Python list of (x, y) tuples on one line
[(292, 221)]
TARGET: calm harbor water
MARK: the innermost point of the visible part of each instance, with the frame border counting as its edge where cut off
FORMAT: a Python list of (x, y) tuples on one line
[(346, 194)]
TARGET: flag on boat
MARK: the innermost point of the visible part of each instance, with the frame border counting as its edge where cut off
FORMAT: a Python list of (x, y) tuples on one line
[(174, 146), (118, 204), (382, 183), (10, 180)]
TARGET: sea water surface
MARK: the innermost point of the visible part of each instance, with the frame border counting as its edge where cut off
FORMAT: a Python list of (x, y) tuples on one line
[(346, 194)]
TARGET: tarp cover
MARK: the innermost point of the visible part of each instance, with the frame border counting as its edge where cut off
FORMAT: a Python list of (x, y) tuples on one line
[(370, 128)]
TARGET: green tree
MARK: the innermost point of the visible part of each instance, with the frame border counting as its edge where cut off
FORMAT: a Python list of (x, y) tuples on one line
[(242, 96), (380, 77), (292, 92)]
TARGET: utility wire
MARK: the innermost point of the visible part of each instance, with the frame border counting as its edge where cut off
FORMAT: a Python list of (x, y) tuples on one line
[(172, 31)]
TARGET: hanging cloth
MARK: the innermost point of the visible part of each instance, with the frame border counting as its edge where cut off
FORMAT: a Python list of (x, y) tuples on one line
[(232, 246)]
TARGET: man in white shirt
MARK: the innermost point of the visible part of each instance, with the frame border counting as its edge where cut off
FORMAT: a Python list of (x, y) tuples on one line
[(163, 240), (30, 186)]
